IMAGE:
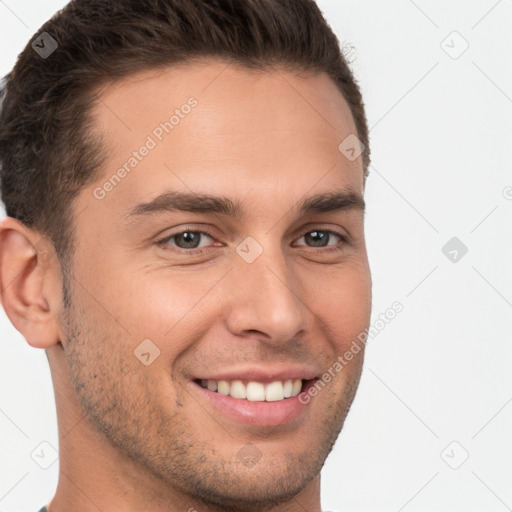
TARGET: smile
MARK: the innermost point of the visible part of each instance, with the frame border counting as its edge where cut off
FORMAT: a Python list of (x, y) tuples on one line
[(255, 391), (274, 403)]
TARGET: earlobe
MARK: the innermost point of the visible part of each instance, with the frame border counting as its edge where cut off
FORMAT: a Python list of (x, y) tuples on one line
[(27, 288)]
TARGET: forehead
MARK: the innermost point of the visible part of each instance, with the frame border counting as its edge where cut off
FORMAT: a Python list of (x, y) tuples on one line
[(215, 81), (213, 126)]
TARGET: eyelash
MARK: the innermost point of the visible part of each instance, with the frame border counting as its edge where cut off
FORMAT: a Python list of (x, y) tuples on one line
[(196, 251)]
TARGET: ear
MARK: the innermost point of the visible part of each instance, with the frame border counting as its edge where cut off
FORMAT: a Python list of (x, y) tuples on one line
[(30, 283)]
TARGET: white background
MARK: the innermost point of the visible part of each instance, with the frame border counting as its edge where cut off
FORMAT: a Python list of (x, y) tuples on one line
[(441, 140)]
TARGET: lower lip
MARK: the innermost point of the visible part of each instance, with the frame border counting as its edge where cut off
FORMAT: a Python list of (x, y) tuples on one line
[(256, 413)]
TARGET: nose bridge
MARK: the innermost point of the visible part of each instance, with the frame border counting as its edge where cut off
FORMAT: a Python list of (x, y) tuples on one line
[(266, 297)]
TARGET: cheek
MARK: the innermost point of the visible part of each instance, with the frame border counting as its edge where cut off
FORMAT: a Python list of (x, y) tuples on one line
[(174, 311), (164, 303), (344, 304), (142, 302)]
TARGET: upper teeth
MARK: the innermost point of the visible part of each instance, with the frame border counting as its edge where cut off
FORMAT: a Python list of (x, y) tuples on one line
[(255, 391)]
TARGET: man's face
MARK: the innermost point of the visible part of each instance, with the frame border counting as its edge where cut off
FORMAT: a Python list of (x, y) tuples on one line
[(270, 292)]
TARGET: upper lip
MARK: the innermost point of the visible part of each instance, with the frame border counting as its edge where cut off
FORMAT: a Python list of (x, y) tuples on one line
[(265, 374)]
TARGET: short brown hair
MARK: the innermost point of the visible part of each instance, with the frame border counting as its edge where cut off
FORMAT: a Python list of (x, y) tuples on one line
[(48, 152)]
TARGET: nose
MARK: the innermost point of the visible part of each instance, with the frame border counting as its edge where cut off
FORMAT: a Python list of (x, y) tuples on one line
[(266, 298)]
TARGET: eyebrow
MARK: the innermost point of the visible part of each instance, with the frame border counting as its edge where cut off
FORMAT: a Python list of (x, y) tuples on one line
[(204, 203)]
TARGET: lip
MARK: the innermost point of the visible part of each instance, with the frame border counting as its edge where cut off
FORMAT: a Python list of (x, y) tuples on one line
[(264, 376), (267, 414)]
